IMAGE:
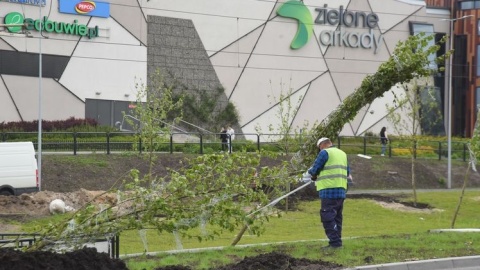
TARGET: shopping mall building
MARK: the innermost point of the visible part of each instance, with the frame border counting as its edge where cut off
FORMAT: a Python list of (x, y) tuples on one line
[(91, 54)]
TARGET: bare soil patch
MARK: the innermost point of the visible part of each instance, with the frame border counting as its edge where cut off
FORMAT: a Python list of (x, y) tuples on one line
[(275, 260), (269, 261), (36, 204), (72, 173)]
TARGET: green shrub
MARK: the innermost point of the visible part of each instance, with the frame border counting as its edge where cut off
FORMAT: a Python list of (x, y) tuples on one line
[(190, 148)]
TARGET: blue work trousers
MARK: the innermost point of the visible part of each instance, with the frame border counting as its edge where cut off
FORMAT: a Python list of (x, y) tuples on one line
[(331, 214)]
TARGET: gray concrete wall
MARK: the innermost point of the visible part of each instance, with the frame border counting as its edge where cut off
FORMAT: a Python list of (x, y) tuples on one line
[(175, 48)]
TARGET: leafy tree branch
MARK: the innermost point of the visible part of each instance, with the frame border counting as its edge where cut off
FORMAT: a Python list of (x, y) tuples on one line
[(409, 60)]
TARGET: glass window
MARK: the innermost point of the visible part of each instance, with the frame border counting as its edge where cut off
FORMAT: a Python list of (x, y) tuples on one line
[(477, 98), (431, 110), (422, 27), (467, 5), (417, 28), (478, 60)]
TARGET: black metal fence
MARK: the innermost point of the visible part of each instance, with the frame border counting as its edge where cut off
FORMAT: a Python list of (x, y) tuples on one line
[(17, 240), (201, 143), (21, 240)]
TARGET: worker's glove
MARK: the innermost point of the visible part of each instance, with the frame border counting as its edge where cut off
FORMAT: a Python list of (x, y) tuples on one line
[(349, 181), (306, 177), (314, 178)]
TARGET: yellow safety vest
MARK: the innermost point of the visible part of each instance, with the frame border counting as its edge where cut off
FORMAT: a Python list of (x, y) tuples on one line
[(334, 173)]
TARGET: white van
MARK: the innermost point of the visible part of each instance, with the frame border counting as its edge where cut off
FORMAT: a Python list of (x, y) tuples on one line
[(18, 168)]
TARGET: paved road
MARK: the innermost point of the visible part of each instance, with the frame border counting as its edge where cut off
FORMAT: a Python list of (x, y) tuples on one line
[(391, 191), (457, 263)]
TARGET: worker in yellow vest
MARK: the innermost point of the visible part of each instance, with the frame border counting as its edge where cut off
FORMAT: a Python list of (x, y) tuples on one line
[(331, 172)]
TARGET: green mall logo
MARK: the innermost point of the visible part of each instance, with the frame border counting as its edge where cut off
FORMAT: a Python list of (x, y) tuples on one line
[(297, 10), (341, 18), (18, 21)]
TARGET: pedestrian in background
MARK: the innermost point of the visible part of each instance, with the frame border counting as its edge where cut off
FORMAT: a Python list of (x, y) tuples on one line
[(231, 135), (331, 172), (383, 140), (224, 138)]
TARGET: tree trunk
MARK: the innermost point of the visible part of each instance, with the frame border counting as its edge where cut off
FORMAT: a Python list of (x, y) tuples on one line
[(239, 235), (465, 181), (414, 186)]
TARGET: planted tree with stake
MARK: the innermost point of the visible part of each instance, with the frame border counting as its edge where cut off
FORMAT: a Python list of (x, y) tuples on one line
[(410, 115), (285, 112), (155, 111), (474, 151), (286, 108)]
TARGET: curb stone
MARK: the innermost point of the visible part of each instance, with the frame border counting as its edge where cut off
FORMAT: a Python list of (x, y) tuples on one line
[(464, 263)]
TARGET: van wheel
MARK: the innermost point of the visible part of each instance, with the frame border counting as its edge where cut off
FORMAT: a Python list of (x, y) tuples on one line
[(5, 192)]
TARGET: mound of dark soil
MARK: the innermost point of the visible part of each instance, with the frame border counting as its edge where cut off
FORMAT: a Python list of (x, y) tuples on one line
[(270, 261), (275, 260), (90, 259), (82, 259)]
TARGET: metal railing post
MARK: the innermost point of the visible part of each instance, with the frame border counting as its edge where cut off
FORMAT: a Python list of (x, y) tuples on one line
[(258, 142), (171, 143), (140, 145), (439, 150), (414, 149), (108, 143), (74, 143), (112, 246), (201, 144), (364, 145), (117, 246)]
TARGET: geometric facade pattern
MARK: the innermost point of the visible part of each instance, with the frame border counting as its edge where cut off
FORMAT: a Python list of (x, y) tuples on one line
[(246, 43)]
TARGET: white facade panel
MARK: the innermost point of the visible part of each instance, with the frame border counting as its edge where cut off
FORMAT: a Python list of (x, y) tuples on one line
[(270, 122), (230, 62), (98, 78), (389, 19), (55, 101), (319, 101), (9, 112), (130, 15), (5, 46)]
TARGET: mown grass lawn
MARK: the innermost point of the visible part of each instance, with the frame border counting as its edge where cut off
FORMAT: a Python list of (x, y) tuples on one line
[(370, 231)]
